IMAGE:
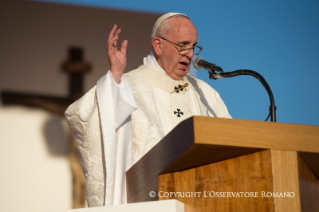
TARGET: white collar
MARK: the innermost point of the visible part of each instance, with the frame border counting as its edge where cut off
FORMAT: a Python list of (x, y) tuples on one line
[(150, 60)]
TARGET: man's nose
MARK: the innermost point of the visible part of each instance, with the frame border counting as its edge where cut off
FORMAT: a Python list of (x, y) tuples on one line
[(190, 54)]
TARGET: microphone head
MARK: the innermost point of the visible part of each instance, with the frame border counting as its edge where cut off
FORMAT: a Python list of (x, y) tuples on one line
[(196, 61)]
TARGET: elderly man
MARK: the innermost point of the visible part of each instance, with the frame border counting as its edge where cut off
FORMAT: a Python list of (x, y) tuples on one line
[(125, 115)]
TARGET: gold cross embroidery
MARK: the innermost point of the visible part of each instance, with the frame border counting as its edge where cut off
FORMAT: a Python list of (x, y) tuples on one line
[(180, 88)]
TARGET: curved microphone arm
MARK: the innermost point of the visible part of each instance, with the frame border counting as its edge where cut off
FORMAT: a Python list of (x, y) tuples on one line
[(272, 108)]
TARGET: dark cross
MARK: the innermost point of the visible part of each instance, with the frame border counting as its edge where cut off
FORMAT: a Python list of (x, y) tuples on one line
[(75, 67), (180, 88), (179, 113)]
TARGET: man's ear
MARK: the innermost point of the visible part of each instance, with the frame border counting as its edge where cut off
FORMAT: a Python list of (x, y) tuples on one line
[(157, 45)]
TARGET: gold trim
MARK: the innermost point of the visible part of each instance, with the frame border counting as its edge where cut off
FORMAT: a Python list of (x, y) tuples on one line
[(180, 88)]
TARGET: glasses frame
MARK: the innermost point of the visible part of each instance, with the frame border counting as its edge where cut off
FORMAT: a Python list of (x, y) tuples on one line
[(181, 46)]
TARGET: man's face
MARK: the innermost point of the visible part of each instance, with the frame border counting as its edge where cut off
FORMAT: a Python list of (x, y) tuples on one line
[(182, 32)]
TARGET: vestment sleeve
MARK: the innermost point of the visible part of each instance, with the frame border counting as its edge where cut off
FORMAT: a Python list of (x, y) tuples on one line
[(94, 121), (83, 120)]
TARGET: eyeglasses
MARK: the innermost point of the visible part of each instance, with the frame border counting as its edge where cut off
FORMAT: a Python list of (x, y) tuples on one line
[(184, 49)]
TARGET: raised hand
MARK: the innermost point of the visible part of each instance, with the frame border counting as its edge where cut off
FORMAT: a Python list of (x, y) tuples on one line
[(117, 58)]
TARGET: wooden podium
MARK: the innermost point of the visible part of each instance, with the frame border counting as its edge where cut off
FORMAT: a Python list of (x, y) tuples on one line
[(214, 164)]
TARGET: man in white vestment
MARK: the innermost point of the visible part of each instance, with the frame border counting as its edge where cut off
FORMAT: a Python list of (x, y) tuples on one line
[(125, 115)]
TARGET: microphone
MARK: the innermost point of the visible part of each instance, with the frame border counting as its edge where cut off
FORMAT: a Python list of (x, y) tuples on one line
[(199, 62)]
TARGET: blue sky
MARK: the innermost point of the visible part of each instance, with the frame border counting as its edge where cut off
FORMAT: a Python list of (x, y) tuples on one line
[(278, 39)]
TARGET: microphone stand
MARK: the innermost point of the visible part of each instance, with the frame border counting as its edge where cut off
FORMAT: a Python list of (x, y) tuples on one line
[(272, 108)]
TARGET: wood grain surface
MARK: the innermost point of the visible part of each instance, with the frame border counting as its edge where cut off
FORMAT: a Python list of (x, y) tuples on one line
[(240, 155), (249, 173), (270, 135), (309, 187), (285, 179), (312, 160), (177, 151)]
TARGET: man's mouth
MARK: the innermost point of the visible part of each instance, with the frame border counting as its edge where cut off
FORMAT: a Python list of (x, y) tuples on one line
[(184, 64)]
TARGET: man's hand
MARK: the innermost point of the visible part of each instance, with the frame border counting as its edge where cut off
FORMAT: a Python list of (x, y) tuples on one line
[(116, 58)]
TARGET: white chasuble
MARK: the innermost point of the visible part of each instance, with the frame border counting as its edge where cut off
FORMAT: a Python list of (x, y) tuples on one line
[(114, 129)]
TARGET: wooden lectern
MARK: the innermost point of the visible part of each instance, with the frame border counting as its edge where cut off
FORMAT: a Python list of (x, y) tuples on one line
[(214, 164)]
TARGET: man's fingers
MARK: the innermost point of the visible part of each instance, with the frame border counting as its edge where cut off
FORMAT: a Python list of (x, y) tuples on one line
[(113, 37), (112, 33), (124, 46), (114, 44), (111, 44), (117, 32), (113, 52)]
